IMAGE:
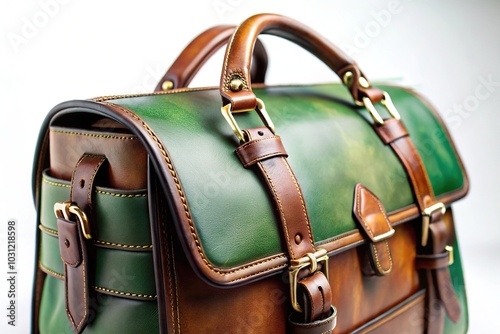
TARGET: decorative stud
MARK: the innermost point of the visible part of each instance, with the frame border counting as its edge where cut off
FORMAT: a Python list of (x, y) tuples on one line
[(236, 84), (167, 85)]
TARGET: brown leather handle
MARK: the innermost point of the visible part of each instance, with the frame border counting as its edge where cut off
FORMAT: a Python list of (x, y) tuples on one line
[(235, 86), (200, 50)]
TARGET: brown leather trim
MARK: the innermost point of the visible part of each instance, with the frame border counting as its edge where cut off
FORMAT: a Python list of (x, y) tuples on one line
[(200, 49), (259, 149)]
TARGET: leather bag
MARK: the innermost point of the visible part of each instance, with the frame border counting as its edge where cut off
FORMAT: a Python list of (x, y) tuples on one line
[(249, 208)]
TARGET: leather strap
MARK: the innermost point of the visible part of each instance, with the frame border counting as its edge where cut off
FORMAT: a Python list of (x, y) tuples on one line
[(322, 326), (239, 53), (440, 291), (194, 56), (73, 244), (265, 151), (372, 219)]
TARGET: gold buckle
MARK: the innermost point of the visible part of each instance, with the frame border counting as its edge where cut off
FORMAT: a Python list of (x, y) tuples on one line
[(261, 111), (387, 102), (311, 260), (66, 209), (451, 256), (426, 220)]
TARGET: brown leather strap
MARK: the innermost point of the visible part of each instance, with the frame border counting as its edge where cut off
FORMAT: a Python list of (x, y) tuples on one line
[(73, 243), (321, 326), (439, 285), (265, 151), (316, 296), (372, 219), (286, 194), (201, 49), (239, 52)]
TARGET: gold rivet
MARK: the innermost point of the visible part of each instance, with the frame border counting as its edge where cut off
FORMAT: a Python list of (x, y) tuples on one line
[(363, 82), (298, 238), (347, 78), (167, 85), (236, 84)]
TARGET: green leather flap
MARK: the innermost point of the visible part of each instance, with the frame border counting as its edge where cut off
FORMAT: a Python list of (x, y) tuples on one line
[(224, 212)]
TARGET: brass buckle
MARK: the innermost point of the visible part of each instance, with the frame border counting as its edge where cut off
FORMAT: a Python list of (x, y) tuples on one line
[(387, 102), (261, 111), (66, 209), (311, 260), (426, 220), (451, 256)]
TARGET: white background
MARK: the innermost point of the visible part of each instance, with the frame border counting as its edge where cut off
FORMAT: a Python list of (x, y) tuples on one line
[(76, 49)]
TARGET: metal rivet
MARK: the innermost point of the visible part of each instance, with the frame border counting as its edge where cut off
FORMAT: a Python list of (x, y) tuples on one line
[(347, 79), (236, 84), (167, 85), (363, 82), (66, 243), (260, 133), (298, 238)]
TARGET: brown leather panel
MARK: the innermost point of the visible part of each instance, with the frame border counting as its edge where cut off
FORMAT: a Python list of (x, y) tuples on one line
[(239, 52), (288, 198), (391, 130), (126, 155), (69, 243), (259, 149), (316, 296), (407, 317), (200, 49)]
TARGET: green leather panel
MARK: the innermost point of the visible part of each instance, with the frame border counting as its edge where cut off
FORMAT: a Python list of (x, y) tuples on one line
[(122, 215), (109, 316), (331, 147), (456, 272), (117, 270)]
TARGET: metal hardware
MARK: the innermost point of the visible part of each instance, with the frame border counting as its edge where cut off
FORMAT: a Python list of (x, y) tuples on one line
[(347, 78), (363, 82), (387, 102), (167, 85), (426, 220), (451, 256), (261, 111), (311, 260), (66, 209), (384, 236), (236, 84)]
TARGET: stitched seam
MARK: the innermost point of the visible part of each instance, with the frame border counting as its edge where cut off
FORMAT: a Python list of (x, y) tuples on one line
[(93, 135), (184, 202), (301, 200), (166, 251), (226, 61), (120, 195), (174, 91), (121, 293), (358, 209), (56, 184), (56, 233), (280, 207), (84, 287), (130, 294), (377, 261), (409, 172)]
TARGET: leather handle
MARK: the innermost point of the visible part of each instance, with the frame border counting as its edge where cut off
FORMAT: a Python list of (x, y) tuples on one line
[(194, 56), (235, 85)]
